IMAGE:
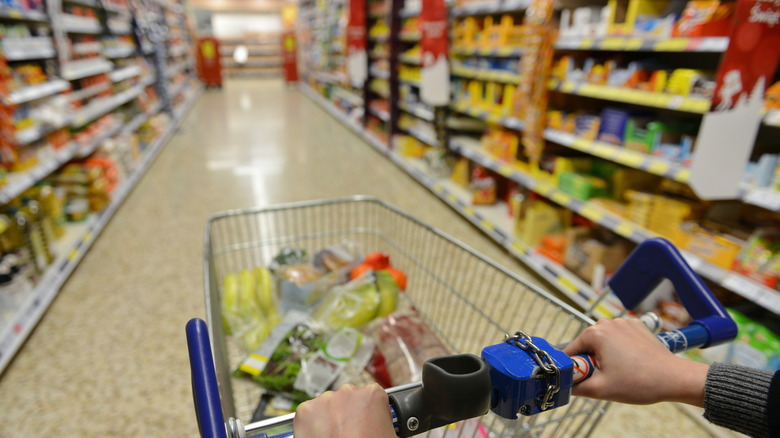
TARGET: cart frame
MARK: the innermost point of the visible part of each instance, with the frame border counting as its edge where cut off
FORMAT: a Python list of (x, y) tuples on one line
[(467, 300)]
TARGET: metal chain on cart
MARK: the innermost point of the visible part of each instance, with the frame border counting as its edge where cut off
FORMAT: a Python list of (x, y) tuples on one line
[(551, 371)]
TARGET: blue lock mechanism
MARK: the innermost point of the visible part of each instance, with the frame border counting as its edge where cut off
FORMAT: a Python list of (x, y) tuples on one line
[(528, 376)]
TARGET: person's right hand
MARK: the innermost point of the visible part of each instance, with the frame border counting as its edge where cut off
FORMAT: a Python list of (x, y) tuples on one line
[(350, 412), (632, 366)]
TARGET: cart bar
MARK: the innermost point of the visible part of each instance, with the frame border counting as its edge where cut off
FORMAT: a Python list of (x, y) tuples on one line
[(284, 420), (204, 381)]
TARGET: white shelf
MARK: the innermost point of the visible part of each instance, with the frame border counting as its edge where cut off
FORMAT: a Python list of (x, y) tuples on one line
[(104, 106), (763, 197), (85, 68), (115, 52), (37, 132), (491, 7), (24, 15), (125, 73), (39, 91), (175, 69), (27, 48), (178, 50), (421, 135), (87, 48), (119, 28), (71, 250), (772, 118), (89, 148), (417, 109), (79, 24), (18, 182), (635, 44), (381, 74)]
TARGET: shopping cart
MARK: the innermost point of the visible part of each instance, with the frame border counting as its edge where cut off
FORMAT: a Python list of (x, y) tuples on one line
[(469, 302)]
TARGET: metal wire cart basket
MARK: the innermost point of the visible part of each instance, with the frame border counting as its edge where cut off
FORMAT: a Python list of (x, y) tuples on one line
[(467, 300)]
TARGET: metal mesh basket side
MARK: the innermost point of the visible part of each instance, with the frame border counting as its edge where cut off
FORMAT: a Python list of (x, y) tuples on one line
[(467, 300)]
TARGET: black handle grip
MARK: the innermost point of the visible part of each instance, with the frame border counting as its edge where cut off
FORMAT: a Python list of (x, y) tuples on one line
[(453, 388)]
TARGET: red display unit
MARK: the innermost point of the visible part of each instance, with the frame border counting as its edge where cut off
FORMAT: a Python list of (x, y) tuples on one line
[(209, 64)]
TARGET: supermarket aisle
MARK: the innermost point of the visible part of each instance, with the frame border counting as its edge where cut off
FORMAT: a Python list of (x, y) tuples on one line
[(109, 357)]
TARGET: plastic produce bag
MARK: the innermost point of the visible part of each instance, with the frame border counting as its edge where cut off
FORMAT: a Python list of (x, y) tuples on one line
[(302, 282), (404, 342), (302, 359), (354, 304), (249, 306)]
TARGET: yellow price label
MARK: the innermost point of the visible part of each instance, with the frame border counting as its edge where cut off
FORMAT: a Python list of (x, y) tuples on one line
[(634, 43), (630, 158), (505, 170), (624, 229), (581, 144), (15, 14), (567, 285), (438, 188), (592, 213), (561, 198), (612, 43), (74, 253), (543, 189), (672, 45), (505, 51), (658, 167), (604, 311), (586, 43), (518, 247), (493, 118), (487, 225), (451, 198), (603, 150), (683, 175), (568, 87), (468, 211)]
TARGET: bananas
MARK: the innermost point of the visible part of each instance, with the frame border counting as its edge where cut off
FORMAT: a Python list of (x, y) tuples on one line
[(249, 308)]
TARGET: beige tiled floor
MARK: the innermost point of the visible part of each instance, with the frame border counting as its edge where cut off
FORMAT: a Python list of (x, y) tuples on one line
[(109, 357)]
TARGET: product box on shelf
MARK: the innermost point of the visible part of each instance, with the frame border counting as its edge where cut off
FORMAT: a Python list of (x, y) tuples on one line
[(594, 253), (536, 218)]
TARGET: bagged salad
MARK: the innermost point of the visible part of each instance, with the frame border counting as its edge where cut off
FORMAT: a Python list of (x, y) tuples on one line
[(302, 359)]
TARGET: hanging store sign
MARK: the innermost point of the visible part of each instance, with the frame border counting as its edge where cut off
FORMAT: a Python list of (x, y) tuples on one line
[(728, 132), (357, 58), (435, 71)]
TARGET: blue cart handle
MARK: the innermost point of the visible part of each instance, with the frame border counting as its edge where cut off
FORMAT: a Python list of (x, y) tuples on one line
[(656, 259), (205, 390)]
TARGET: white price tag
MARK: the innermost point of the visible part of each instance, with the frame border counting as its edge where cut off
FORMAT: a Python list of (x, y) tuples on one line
[(743, 286), (676, 102), (764, 198)]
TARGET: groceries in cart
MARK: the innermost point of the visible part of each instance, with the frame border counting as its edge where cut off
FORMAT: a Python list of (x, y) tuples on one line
[(311, 323)]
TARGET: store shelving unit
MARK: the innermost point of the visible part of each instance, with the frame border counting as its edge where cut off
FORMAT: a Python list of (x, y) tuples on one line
[(118, 106), (265, 56), (703, 48)]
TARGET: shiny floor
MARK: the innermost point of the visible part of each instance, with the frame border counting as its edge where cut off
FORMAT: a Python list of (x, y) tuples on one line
[(109, 357)]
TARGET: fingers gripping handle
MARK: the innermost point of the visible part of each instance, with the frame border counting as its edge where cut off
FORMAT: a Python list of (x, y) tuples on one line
[(677, 341), (656, 259), (205, 391)]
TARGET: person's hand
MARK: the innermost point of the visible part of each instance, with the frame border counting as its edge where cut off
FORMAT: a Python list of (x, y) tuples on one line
[(349, 412), (632, 366)]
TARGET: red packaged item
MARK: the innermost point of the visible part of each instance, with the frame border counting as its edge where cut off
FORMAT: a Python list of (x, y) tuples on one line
[(705, 18), (403, 343)]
